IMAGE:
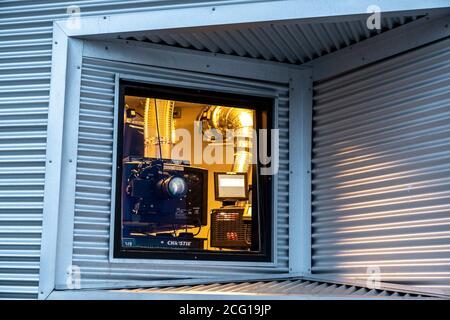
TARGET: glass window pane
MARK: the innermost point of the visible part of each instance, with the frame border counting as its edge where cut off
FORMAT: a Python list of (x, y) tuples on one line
[(188, 175)]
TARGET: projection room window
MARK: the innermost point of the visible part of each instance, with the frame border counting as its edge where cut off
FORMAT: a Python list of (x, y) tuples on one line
[(188, 181)]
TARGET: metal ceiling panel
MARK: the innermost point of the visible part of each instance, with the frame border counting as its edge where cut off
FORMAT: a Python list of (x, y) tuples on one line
[(288, 42), (292, 288)]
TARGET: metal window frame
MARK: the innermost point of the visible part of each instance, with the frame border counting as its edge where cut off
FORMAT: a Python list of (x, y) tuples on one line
[(300, 121), (62, 132), (143, 295), (62, 105), (218, 262)]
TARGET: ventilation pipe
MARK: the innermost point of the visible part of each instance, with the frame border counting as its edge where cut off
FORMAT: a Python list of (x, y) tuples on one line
[(241, 122), (158, 128)]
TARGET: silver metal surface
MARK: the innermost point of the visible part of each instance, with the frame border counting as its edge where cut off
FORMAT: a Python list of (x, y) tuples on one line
[(288, 288), (300, 131), (288, 42), (274, 287), (381, 173)]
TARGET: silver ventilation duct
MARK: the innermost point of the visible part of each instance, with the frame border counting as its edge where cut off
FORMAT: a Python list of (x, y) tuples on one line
[(240, 122), (158, 128)]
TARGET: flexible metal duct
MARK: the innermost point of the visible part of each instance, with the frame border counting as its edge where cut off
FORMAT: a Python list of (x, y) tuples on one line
[(158, 128), (240, 121)]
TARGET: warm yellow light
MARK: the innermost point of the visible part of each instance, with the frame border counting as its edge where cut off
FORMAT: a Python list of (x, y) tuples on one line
[(246, 119)]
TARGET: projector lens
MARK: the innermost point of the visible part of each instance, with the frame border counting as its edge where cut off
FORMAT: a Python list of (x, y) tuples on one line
[(176, 186)]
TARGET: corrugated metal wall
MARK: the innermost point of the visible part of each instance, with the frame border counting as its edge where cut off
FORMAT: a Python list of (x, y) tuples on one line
[(381, 170), (94, 174), (24, 92), (25, 59)]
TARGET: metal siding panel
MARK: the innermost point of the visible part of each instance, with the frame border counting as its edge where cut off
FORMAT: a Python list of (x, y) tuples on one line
[(94, 174), (36, 10), (25, 55), (381, 170)]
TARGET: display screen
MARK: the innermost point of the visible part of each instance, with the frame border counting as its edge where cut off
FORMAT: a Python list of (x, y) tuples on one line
[(186, 164), (231, 186)]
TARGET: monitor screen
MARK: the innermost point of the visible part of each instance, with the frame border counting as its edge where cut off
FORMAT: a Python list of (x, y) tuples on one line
[(231, 186)]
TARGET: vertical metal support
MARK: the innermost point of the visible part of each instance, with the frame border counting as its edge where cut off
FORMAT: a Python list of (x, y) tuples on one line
[(274, 177), (300, 134), (53, 162), (114, 167), (69, 163)]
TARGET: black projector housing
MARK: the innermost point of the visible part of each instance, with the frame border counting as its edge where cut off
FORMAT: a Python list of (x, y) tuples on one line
[(169, 193)]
